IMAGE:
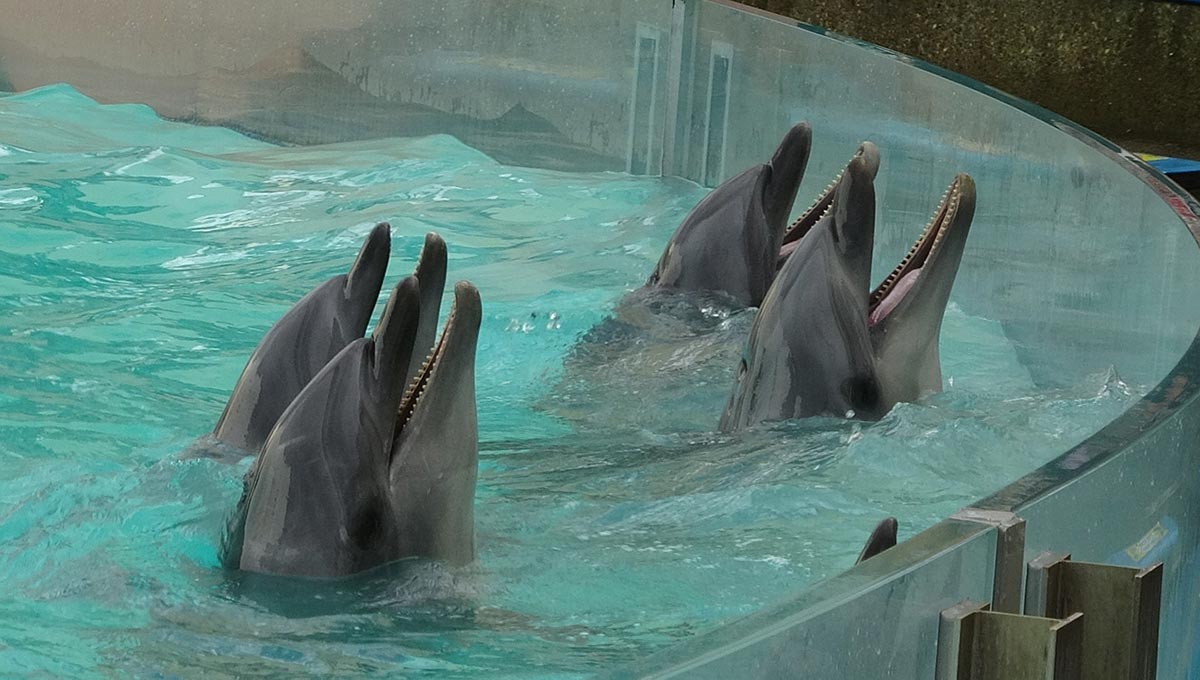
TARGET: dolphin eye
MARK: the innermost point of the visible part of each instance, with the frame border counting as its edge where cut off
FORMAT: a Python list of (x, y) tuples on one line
[(742, 368), (862, 392), (367, 525)]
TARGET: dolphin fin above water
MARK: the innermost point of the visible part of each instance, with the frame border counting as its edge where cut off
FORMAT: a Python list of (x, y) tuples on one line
[(882, 538)]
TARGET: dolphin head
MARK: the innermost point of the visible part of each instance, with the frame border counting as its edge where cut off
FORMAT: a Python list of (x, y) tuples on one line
[(808, 352), (299, 345), (316, 501), (435, 453), (730, 241), (906, 309), (882, 538)]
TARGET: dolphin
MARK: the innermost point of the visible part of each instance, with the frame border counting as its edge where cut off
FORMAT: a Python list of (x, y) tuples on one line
[(315, 329), (809, 352), (730, 241), (359, 471), (823, 343), (907, 308), (655, 326), (435, 452), (882, 538)]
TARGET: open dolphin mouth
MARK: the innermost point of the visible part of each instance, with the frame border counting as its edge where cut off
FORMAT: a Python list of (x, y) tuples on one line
[(820, 207), (424, 375), (923, 253)]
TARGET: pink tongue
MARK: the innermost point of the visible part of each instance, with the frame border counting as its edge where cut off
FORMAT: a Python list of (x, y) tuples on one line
[(887, 304), (787, 249)]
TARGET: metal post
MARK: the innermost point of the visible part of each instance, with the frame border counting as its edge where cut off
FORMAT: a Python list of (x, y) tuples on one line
[(977, 644), (1010, 555), (1120, 605), (677, 112)]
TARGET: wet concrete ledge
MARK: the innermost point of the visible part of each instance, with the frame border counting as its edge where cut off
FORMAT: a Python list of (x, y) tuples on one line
[(1128, 69)]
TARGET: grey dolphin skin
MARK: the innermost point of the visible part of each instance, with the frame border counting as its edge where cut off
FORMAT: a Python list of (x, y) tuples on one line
[(435, 453), (730, 241), (823, 343), (359, 472), (431, 272), (315, 329), (316, 502), (882, 538), (809, 352), (301, 343), (907, 308), (803, 224)]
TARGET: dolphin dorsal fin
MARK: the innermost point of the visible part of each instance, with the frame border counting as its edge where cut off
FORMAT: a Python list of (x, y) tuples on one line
[(882, 538)]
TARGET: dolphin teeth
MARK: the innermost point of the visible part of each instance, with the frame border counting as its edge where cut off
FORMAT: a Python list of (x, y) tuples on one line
[(955, 192), (931, 235), (420, 382), (825, 197)]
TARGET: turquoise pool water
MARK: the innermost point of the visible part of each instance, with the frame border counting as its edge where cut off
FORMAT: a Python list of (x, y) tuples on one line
[(140, 263)]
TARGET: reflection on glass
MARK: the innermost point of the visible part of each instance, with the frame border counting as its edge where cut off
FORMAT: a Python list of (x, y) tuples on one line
[(718, 114)]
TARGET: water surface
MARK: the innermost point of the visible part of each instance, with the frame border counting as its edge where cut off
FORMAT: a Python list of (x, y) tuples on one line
[(140, 263)]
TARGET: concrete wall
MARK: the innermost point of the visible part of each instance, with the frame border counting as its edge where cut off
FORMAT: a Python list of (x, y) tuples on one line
[(1128, 69)]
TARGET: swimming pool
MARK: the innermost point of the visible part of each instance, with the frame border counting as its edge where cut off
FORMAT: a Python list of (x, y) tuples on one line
[(143, 261), (150, 258)]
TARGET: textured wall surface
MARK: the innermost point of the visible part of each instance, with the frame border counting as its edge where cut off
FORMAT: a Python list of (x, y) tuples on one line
[(1128, 69)]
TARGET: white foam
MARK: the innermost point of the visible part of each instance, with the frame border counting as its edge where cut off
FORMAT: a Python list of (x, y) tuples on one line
[(202, 258), (153, 154), (20, 197)]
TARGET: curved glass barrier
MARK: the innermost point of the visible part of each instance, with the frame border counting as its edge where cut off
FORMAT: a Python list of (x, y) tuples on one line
[(1084, 256)]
